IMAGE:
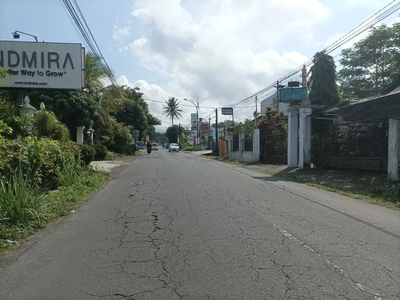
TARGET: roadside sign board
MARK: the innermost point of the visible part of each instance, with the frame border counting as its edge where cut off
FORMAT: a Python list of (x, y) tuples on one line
[(228, 111), (194, 133), (293, 94), (193, 118), (31, 65)]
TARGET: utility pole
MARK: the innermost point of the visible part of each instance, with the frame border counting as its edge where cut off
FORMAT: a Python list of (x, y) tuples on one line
[(200, 130), (255, 115), (179, 134), (277, 94), (209, 132), (225, 127), (216, 132), (197, 111), (233, 121)]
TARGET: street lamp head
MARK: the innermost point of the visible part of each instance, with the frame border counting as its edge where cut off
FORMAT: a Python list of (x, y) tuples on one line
[(16, 35)]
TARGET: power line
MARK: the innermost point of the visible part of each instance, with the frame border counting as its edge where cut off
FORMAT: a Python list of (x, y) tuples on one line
[(88, 37), (367, 24)]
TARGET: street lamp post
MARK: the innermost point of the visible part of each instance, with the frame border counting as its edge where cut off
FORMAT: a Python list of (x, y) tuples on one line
[(197, 116), (16, 35)]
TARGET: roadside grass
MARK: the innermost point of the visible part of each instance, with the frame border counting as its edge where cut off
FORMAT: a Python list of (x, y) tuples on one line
[(112, 155), (24, 208), (381, 192), (225, 159), (377, 190)]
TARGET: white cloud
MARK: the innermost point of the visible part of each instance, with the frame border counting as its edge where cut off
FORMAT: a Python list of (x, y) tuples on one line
[(119, 34), (152, 60), (370, 3), (222, 50)]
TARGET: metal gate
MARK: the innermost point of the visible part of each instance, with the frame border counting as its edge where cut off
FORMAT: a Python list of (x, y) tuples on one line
[(273, 148)]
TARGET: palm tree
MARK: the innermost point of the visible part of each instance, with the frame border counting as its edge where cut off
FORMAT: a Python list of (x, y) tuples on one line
[(171, 109)]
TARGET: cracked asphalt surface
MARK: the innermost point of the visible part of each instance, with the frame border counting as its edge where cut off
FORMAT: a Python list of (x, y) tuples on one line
[(177, 226)]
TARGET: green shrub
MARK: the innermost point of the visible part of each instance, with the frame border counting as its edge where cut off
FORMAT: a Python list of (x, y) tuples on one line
[(101, 152), (61, 133), (122, 139), (69, 172), (45, 155), (13, 124), (130, 150), (88, 153), (21, 200), (47, 125), (111, 155)]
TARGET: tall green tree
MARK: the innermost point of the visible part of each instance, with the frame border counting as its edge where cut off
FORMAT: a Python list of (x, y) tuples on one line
[(95, 73), (173, 132), (322, 83), (135, 112), (371, 64), (171, 109)]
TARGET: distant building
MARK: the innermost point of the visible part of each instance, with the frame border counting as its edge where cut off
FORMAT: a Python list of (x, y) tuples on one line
[(271, 101)]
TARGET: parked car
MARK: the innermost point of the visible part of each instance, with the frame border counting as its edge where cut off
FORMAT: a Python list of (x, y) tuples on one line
[(173, 147), (154, 146)]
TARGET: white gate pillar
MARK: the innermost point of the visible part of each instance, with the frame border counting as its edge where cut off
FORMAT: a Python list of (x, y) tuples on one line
[(80, 134), (241, 142), (256, 145), (393, 150), (305, 137)]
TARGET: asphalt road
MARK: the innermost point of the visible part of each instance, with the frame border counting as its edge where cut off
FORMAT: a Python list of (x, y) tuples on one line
[(178, 226)]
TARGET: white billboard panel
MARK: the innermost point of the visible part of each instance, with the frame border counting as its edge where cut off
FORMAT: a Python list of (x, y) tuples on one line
[(42, 65)]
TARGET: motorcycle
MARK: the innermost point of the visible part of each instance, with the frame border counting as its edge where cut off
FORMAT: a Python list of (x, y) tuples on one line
[(148, 150)]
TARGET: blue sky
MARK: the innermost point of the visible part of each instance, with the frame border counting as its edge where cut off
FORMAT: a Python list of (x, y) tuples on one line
[(216, 51)]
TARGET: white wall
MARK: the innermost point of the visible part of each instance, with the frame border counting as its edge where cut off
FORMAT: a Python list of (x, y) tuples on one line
[(270, 101)]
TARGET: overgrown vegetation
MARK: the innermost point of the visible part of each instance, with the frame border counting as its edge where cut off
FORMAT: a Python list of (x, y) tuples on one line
[(25, 208), (273, 133)]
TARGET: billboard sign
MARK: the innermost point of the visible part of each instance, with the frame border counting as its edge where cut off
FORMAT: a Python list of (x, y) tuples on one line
[(31, 65), (293, 94), (193, 118), (228, 111), (193, 133), (204, 129)]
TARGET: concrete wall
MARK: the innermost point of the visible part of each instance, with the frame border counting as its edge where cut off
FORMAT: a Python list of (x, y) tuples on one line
[(246, 156)]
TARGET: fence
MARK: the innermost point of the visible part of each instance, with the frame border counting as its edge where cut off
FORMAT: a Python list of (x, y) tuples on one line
[(248, 142), (338, 144), (242, 152), (235, 146), (273, 147)]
